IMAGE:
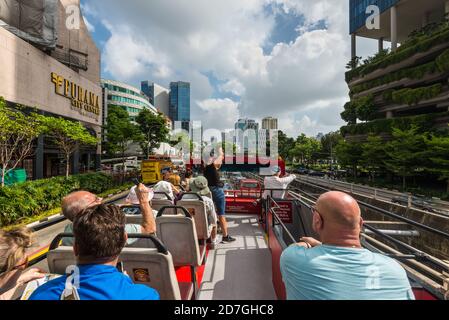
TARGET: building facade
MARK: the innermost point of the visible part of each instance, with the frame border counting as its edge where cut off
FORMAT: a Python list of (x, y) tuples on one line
[(270, 123), (158, 95), (180, 103), (406, 84), (246, 135), (127, 97), (62, 81)]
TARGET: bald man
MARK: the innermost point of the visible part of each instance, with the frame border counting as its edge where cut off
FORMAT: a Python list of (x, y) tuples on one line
[(338, 267), (77, 202)]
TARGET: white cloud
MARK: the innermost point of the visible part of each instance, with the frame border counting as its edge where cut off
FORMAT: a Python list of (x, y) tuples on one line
[(301, 82)]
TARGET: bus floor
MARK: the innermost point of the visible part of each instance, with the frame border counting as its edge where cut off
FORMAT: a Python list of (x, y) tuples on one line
[(240, 270)]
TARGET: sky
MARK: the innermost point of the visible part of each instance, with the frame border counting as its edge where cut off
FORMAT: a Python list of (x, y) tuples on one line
[(244, 59)]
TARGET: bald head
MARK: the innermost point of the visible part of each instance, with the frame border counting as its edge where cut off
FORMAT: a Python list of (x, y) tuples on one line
[(76, 203), (339, 210)]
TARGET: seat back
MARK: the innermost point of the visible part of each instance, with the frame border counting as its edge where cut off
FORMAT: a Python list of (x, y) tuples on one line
[(59, 259), (150, 266), (161, 200), (178, 234), (197, 209)]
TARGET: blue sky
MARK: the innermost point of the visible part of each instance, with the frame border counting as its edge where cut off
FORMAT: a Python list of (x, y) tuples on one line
[(252, 58)]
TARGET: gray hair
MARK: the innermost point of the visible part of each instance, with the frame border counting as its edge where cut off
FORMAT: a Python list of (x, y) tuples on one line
[(76, 203)]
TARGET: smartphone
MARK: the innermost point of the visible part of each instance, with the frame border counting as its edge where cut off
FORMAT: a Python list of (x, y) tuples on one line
[(120, 267), (136, 181)]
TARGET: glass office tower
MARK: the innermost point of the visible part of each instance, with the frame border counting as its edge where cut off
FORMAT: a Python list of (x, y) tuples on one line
[(180, 103)]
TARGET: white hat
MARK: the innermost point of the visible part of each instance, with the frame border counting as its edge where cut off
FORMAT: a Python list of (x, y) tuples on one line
[(164, 187), (132, 196)]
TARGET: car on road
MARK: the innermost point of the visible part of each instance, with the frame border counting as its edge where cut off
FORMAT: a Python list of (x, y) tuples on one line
[(313, 173), (417, 202), (301, 171)]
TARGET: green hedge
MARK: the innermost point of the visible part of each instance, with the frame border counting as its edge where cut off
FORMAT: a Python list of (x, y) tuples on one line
[(424, 122), (34, 197), (404, 52), (414, 96)]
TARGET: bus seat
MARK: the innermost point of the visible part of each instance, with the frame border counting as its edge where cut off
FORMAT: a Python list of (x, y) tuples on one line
[(59, 259), (150, 266), (197, 209), (178, 234), (156, 270)]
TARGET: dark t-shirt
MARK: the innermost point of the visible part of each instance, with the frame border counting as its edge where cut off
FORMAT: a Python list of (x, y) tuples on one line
[(212, 176)]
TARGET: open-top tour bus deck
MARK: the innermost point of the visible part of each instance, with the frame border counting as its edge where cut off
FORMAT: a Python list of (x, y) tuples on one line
[(179, 264)]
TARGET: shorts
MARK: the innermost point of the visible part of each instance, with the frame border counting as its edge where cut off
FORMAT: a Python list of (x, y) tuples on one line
[(219, 198)]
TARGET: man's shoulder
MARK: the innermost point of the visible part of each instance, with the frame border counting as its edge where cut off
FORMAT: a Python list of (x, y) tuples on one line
[(294, 252), (51, 290), (388, 264), (142, 292)]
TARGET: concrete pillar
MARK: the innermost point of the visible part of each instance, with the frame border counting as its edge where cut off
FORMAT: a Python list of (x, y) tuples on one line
[(76, 162), (381, 44), (394, 28), (97, 162), (353, 48), (390, 115), (39, 159)]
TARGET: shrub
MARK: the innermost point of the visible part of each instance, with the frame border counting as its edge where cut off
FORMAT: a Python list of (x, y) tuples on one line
[(33, 197), (442, 61), (421, 44), (414, 96)]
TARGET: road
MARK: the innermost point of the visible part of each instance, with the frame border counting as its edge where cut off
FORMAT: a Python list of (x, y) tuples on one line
[(441, 207)]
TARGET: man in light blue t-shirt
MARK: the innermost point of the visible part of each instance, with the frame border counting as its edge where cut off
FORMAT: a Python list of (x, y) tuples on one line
[(338, 268)]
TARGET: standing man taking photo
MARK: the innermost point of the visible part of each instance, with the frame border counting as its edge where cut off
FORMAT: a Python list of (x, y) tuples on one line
[(211, 173)]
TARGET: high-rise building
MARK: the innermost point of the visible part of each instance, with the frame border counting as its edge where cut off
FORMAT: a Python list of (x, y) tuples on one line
[(407, 82), (127, 97), (180, 103), (244, 130), (269, 123), (158, 95)]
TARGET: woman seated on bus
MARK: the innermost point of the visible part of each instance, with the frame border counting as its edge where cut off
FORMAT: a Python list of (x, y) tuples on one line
[(13, 262), (163, 189), (134, 201)]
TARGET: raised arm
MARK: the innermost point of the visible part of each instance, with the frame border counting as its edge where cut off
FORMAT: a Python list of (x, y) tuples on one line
[(148, 221)]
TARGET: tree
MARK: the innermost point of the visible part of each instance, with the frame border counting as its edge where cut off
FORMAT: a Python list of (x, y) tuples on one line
[(329, 142), (405, 152), (438, 149), (305, 149), (285, 144), (349, 154), (67, 135), (120, 133), (154, 131), (373, 154), (17, 133), (350, 113)]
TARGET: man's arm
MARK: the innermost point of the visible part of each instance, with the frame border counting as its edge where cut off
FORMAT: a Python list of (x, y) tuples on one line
[(148, 221), (218, 162), (288, 180)]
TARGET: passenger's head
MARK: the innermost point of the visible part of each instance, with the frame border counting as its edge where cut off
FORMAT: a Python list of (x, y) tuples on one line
[(200, 185), (13, 245), (337, 217), (132, 196), (276, 171), (189, 174), (99, 233), (163, 187), (77, 202), (166, 173)]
